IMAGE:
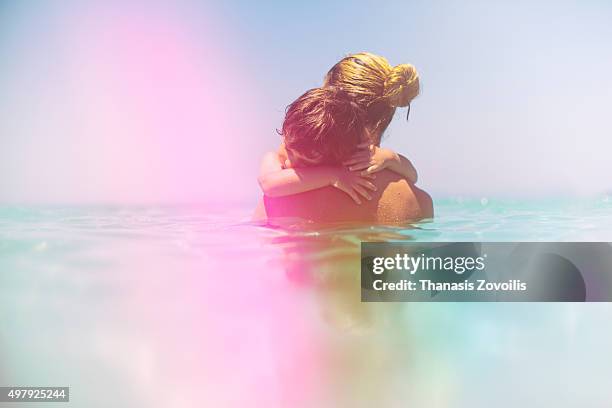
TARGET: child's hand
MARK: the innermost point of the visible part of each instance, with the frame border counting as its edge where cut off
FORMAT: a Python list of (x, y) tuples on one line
[(370, 159), (353, 184)]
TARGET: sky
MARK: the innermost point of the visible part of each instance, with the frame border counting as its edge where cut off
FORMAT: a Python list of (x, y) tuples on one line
[(175, 102)]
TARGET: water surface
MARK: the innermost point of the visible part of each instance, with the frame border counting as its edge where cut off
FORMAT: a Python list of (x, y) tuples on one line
[(191, 306)]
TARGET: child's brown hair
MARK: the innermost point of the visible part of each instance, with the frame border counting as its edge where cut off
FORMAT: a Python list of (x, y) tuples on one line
[(323, 126)]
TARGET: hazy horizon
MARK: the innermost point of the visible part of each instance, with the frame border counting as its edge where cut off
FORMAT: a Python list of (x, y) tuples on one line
[(176, 102)]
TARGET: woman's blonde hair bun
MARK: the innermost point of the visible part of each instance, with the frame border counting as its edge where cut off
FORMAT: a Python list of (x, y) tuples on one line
[(401, 86)]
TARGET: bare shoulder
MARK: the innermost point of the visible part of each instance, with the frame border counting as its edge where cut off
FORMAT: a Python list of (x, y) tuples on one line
[(400, 200)]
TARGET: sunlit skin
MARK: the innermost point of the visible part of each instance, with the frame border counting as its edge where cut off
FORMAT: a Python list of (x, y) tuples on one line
[(332, 193), (392, 198), (279, 177)]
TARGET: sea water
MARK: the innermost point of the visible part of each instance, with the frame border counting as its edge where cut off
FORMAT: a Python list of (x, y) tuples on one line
[(191, 306)]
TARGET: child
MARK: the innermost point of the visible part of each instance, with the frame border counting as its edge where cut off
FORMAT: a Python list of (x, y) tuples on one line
[(325, 143)]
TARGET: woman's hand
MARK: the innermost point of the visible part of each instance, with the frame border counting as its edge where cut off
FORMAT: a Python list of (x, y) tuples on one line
[(371, 159), (353, 184)]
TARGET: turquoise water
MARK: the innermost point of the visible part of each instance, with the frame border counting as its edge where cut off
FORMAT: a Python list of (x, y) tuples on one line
[(194, 306), (484, 219)]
